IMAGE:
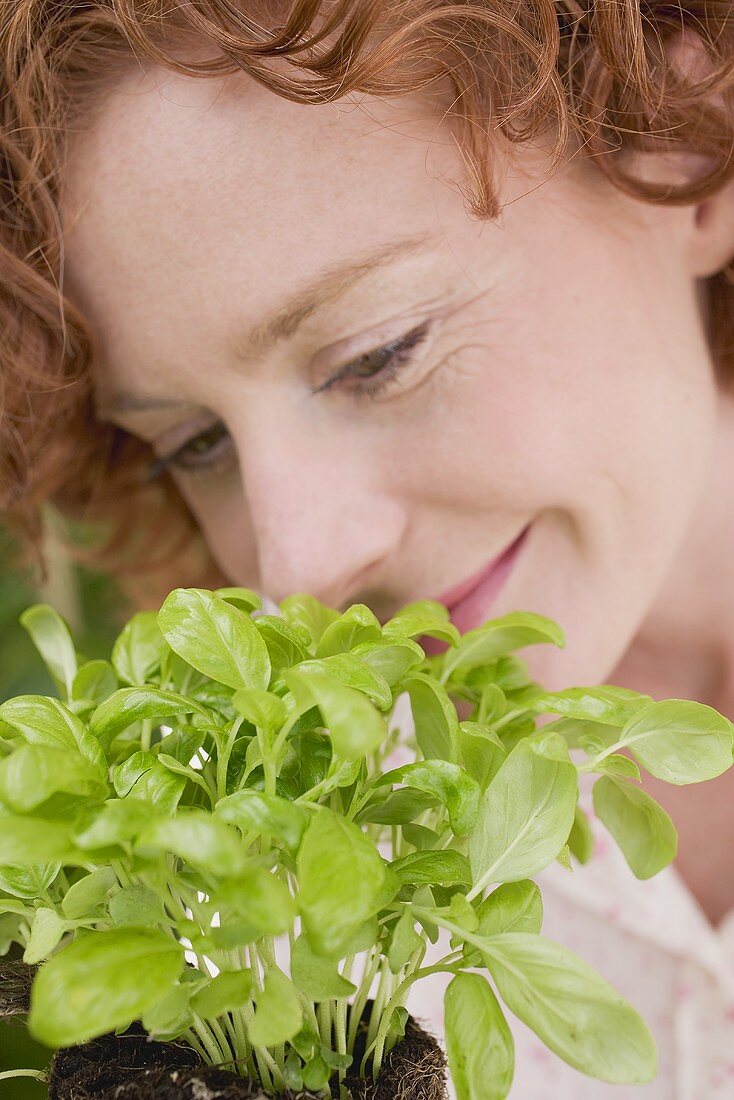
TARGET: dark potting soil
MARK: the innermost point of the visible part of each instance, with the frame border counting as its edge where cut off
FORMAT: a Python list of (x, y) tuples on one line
[(133, 1067), (15, 987)]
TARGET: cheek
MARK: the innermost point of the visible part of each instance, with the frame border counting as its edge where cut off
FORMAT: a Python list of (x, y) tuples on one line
[(582, 391), (221, 512), (595, 412)]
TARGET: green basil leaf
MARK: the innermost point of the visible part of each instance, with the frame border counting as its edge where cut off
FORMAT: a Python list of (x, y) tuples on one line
[(479, 1043), (404, 942), (171, 1016), (32, 840), (679, 740), (28, 882), (136, 906), (285, 646), (581, 838), (619, 765), (550, 745), (580, 732), (498, 637), (420, 837), (256, 904), (393, 659), (116, 822), (52, 639), (452, 785), (127, 774), (261, 708), (246, 599), (318, 978), (512, 907), (305, 611), (316, 1074), (95, 681), (131, 704), (575, 1012), (41, 720), (525, 817), (140, 649), (215, 637), (256, 811), (434, 715), (143, 777), (10, 923), (400, 807), (481, 752), (225, 993), (605, 703), (353, 673), (357, 624), (341, 876), (422, 617), (88, 893), (110, 979), (463, 913), (446, 868), (355, 727), (47, 928), (642, 829), (198, 838), (277, 1012), (34, 773), (493, 703)]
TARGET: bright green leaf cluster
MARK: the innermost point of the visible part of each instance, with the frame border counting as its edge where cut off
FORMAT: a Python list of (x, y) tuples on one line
[(208, 833)]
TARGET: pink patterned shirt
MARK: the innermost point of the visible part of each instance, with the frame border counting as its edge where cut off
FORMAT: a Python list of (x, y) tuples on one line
[(652, 941)]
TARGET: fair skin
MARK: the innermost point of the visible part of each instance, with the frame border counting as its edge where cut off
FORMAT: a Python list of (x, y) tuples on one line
[(565, 381)]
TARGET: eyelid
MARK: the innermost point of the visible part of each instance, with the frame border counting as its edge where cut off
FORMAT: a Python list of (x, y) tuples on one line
[(405, 341), (160, 464)]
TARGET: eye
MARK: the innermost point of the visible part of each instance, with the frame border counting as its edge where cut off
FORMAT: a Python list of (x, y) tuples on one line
[(212, 451), (380, 367), (209, 452)]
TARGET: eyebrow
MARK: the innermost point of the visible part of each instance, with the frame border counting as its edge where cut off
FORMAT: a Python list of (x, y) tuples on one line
[(327, 288)]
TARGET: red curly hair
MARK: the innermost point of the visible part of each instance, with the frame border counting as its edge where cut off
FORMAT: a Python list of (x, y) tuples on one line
[(596, 71)]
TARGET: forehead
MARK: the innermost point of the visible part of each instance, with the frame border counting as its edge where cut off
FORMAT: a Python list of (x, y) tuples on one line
[(180, 180)]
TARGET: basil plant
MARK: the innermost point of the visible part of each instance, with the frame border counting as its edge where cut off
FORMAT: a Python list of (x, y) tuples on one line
[(206, 834)]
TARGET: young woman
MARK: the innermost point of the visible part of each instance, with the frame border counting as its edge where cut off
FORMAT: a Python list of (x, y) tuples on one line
[(357, 298)]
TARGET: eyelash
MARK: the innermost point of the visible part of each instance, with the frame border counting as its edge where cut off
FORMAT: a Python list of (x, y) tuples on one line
[(399, 354)]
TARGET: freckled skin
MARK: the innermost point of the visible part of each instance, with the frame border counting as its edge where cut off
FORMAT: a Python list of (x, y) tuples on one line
[(568, 383)]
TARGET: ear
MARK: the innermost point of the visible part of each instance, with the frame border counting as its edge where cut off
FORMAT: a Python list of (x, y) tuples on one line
[(708, 223), (712, 237), (712, 219)]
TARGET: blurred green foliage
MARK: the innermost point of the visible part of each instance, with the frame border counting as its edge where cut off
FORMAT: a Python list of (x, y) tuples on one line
[(99, 611)]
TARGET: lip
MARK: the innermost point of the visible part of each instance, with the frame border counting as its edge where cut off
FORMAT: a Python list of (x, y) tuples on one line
[(470, 601)]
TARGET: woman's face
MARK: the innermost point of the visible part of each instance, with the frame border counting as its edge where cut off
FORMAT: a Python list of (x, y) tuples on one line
[(563, 378)]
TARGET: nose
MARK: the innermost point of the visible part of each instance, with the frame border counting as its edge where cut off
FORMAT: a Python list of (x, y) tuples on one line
[(321, 519)]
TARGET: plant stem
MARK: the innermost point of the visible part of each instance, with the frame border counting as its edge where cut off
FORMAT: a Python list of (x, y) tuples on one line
[(283, 734), (324, 1017), (384, 992), (191, 1037), (396, 1001), (340, 1014), (224, 755), (591, 765), (214, 1054), (355, 1013), (222, 1039), (37, 1073)]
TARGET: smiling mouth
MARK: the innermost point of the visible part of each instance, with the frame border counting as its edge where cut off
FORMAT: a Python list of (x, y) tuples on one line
[(470, 602)]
